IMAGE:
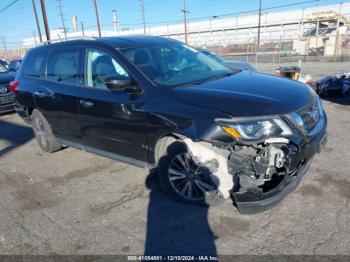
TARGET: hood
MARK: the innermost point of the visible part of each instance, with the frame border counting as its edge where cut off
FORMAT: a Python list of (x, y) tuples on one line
[(6, 78), (248, 94)]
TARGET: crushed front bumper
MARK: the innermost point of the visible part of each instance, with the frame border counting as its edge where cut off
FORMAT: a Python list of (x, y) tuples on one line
[(250, 203), (258, 201)]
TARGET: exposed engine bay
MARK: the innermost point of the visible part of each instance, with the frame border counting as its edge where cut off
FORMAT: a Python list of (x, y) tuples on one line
[(254, 169), (260, 167)]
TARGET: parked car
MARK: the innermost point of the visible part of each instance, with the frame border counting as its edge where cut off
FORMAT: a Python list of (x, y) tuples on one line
[(14, 65), (156, 103), (6, 96), (233, 65), (4, 63)]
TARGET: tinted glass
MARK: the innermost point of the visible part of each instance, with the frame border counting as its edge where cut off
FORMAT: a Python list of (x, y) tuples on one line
[(14, 65), (63, 66), (3, 69), (33, 65), (175, 64), (99, 66)]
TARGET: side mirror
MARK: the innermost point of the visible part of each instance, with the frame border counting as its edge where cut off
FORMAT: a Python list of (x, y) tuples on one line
[(117, 84)]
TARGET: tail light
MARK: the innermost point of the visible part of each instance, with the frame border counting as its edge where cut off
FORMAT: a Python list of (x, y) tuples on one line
[(14, 85)]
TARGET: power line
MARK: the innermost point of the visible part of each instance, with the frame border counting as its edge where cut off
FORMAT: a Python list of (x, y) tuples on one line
[(9, 5)]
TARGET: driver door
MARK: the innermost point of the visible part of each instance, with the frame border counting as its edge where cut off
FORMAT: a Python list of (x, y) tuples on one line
[(112, 123)]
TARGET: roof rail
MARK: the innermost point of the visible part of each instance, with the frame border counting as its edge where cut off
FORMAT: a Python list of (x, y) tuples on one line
[(69, 39)]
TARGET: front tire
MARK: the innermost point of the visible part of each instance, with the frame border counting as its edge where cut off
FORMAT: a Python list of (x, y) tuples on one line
[(43, 133), (183, 179)]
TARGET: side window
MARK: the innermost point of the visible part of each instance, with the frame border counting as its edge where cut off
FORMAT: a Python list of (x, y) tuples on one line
[(33, 65), (98, 66), (63, 66)]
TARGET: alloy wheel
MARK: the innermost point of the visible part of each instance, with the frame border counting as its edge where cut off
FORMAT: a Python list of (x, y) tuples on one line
[(188, 179)]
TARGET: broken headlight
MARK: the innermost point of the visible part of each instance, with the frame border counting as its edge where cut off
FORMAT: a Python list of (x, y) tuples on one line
[(254, 130)]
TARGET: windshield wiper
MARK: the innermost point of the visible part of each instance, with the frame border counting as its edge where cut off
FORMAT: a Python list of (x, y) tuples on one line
[(194, 83), (220, 76)]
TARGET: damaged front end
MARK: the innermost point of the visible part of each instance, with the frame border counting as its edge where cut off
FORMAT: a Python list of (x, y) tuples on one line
[(263, 169), (263, 174)]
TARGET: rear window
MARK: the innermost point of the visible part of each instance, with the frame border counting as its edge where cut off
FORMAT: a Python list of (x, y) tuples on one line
[(34, 63), (63, 66)]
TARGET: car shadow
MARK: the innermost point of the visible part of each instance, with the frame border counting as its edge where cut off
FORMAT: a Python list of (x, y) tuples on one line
[(15, 135), (174, 228)]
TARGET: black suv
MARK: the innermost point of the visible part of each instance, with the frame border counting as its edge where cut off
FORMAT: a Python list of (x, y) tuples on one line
[(153, 102)]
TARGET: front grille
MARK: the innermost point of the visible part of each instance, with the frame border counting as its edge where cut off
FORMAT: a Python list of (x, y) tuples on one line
[(310, 116), (4, 90)]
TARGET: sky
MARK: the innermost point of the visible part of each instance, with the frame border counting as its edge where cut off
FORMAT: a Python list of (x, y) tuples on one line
[(18, 20)]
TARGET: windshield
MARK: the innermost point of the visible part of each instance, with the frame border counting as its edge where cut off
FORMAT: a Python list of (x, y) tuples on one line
[(175, 64), (3, 69), (214, 56)]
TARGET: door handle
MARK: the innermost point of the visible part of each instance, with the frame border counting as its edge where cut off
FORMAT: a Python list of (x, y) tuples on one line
[(42, 94), (86, 104)]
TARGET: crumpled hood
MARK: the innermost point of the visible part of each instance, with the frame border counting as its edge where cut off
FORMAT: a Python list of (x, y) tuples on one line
[(248, 94)]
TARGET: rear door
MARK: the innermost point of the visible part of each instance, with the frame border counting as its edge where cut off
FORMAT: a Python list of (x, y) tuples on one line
[(56, 95), (111, 121)]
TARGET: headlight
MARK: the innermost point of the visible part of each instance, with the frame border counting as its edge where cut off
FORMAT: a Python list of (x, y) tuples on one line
[(256, 129)]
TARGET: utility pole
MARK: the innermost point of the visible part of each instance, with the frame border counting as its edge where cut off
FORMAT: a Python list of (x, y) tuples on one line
[(47, 30), (5, 48), (143, 16), (35, 38), (59, 5), (37, 21), (97, 18), (82, 28), (184, 10), (259, 25), (115, 21)]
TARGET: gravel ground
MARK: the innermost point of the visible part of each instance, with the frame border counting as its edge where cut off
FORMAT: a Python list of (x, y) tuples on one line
[(73, 202)]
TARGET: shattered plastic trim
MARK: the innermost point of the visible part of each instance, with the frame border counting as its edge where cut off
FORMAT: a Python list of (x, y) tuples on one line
[(204, 152)]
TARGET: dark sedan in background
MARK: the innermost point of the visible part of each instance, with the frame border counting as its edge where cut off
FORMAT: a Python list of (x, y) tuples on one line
[(6, 96), (233, 65), (14, 64)]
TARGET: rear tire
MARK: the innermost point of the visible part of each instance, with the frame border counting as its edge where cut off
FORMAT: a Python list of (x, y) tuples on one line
[(174, 177), (43, 133)]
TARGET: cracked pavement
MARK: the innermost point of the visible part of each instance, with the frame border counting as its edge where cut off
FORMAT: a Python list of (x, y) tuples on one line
[(73, 202)]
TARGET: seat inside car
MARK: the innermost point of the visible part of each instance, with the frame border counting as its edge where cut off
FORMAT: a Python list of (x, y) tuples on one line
[(101, 68), (143, 60)]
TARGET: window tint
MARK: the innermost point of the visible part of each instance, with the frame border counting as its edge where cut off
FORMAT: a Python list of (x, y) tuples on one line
[(175, 64), (99, 66), (63, 66), (34, 64)]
